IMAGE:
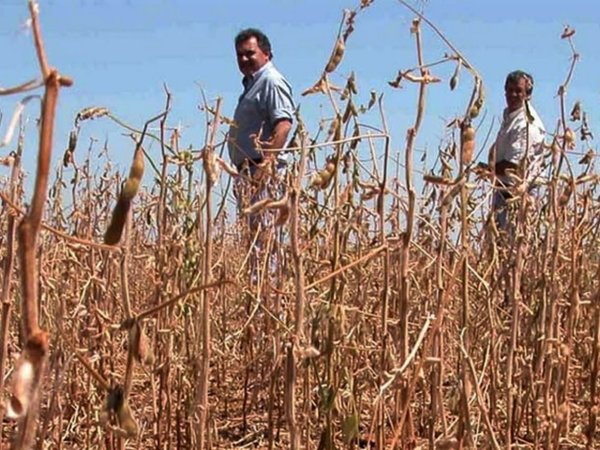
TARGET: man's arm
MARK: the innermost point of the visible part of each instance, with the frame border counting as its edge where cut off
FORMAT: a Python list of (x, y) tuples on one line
[(280, 108), (279, 136)]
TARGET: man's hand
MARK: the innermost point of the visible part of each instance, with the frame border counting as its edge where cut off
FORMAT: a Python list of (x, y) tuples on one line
[(503, 166), (279, 136)]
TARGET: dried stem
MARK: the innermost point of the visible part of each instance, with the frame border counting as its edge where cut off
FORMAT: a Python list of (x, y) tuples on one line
[(205, 299), (9, 263)]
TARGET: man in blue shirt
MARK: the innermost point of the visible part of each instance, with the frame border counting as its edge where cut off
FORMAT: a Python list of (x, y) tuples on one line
[(265, 110), (262, 121)]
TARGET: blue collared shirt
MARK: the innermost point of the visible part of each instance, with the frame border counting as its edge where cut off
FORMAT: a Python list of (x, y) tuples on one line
[(267, 98)]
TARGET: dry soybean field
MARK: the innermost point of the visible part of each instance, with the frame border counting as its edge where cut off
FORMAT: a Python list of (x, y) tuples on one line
[(387, 309)]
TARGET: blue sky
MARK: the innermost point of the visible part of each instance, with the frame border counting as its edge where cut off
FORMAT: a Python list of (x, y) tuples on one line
[(119, 53)]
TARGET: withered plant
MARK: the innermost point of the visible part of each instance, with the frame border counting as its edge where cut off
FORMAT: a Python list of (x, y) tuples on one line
[(389, 310)]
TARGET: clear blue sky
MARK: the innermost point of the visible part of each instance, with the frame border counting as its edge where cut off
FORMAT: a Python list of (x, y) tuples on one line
[(119, 53)]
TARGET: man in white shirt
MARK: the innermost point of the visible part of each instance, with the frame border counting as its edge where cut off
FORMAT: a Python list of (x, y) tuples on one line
[(519, 143)]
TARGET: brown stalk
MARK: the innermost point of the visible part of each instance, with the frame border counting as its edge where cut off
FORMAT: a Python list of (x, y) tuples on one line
[(437, 404), (299, 282), (385, 288), (95, 375), (333, 357), (153, 310), (160, 256), (574, 307), (9, 264), (435, 328), (205, 299), (122, 220), (24, 87), (594, 371), (334, 142), (37, 39), (128, 427), (342, 269), (62, 234), (480, 399), (124, 269), (28, 231), (465, 433), (30, 225), (441, 35), (519, 248), (552, 318), (410, 217)]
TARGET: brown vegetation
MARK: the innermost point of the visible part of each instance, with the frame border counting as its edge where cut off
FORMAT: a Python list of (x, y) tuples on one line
[(392, 319)]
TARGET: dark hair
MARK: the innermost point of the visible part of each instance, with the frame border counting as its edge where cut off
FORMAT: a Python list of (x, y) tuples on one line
[(261, 38), (516, 75)]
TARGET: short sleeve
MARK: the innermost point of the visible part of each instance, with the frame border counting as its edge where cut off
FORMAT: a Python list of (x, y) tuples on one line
[(279, 101)]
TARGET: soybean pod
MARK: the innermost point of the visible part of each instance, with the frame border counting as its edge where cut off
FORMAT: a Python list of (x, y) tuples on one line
[(128, 192), (336, 55)]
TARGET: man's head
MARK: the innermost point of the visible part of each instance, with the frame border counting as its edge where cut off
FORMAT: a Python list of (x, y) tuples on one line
[(253, 50), (517, 88)]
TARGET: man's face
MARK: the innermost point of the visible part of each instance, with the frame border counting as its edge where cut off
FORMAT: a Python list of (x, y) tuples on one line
[(250, 57), (516, 94)]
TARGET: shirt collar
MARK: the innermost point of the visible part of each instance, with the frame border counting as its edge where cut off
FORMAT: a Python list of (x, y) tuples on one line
[(511, 115), (249, 80)]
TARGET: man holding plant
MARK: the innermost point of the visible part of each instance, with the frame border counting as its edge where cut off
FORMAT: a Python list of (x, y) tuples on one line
[(518, 150)]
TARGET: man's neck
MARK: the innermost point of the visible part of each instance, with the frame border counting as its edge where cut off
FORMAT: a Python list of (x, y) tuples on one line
[(508, 113), (248, 79)]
